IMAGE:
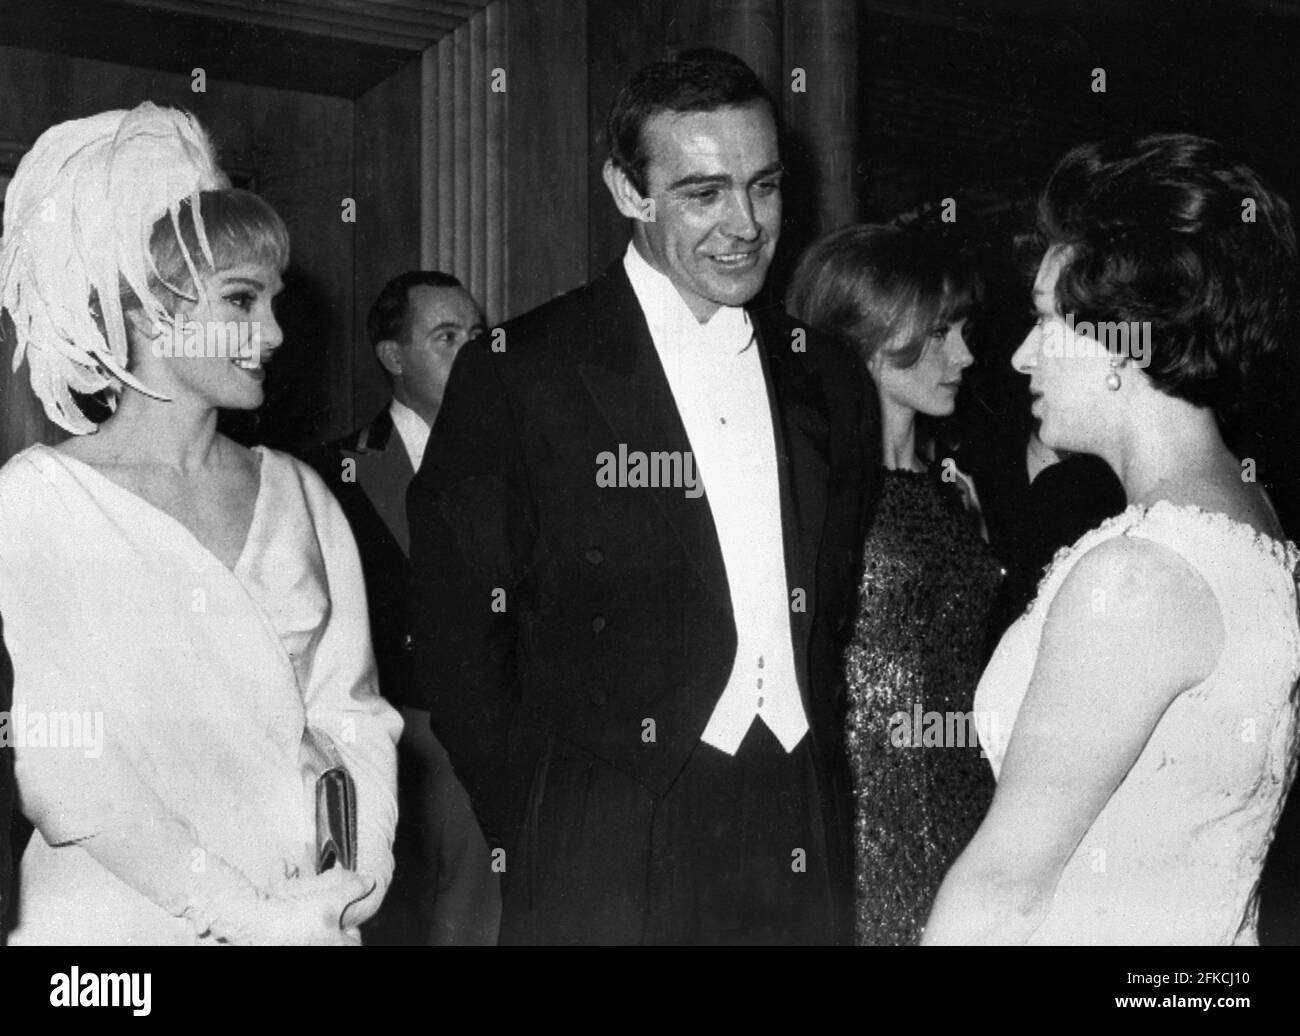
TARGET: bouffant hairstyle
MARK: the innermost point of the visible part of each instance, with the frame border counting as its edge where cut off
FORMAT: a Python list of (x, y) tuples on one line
[(883, 287), (1171, 229), (696, 80)]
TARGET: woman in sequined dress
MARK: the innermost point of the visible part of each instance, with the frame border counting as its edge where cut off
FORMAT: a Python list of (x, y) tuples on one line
[(921, 784)]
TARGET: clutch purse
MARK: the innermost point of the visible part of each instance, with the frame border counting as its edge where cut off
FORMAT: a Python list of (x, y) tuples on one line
[(332, 795), (336, 820)]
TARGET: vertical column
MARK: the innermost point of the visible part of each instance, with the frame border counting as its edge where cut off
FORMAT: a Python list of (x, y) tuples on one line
[(493, 298), (387, 238), (445, 218), (752, 30), (463, 129), (622, 35), (821, 38), (429, 122), (477, 84), (461, 155), (686, 24), (546, 156)]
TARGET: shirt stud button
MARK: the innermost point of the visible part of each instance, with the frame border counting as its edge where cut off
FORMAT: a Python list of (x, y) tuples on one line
[(594, 556), (598, 623)]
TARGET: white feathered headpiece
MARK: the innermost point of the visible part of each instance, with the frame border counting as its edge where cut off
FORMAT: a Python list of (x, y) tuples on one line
[(77, 220)]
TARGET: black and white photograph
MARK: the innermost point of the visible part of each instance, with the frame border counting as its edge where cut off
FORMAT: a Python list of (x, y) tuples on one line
[(650, 473)]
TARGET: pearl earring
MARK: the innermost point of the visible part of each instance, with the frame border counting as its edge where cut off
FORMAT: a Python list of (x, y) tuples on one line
[(1112, 379)]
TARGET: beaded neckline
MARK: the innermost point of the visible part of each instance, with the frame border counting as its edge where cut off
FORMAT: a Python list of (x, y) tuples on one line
[(1283, 552)]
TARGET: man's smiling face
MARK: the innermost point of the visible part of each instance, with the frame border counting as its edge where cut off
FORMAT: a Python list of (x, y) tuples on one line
[(715, 180)]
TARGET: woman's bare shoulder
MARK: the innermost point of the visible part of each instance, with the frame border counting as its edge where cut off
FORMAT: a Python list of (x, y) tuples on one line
[(1130, 597)]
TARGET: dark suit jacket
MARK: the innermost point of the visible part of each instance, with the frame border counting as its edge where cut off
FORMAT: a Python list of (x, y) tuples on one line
[(552, 617), (443, 882), (369, 471), (6, 782)]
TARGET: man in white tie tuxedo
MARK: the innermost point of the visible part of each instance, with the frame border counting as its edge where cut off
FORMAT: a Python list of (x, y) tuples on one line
[(638, 681)]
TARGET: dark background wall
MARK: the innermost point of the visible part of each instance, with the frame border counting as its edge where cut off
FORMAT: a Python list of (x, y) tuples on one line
[(299, 148), (387, 241), (903, 104), (973, 100)]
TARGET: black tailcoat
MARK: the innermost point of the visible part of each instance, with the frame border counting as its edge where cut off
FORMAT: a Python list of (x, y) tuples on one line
[(555, 620)]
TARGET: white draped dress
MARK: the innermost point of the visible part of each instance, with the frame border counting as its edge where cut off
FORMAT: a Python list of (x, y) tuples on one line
[(205, 678)]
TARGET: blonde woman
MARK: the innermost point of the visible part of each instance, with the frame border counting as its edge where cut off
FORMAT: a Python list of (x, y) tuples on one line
[(197, 602)]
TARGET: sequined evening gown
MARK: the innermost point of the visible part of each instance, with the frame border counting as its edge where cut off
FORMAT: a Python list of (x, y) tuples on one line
[(921, 783)]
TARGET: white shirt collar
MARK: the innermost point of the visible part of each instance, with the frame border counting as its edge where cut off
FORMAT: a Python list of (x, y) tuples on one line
[(413, 430), (670, 318)]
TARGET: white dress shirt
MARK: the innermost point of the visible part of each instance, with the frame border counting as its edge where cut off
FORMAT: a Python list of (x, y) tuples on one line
[(413, 429), (716, 378)]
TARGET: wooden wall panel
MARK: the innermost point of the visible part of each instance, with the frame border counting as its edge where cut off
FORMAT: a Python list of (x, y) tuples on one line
[(546, 151), (462, 170), (753, 30), (821, 38), (387, 231), (444, 213), (505, 176), (493, 298), (622, 37), (478, 104), (431, 121), (300, 147), (460, 156)]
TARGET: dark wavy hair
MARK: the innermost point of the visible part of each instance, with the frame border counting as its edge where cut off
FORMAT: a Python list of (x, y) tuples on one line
[(1171, 229), (883, 287), (696, 80)]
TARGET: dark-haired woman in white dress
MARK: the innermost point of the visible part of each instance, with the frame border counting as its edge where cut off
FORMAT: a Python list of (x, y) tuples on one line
[(1142, 717)]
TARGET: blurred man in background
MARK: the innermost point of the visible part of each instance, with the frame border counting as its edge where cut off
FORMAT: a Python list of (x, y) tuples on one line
[(444, 891)]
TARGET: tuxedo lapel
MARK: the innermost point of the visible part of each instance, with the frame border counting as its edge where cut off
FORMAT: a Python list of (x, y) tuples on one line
[(801, 434), (384, 472), (626, 381)]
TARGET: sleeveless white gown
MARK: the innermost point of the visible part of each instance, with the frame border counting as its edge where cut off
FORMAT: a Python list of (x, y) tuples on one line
[(1175, 855)]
